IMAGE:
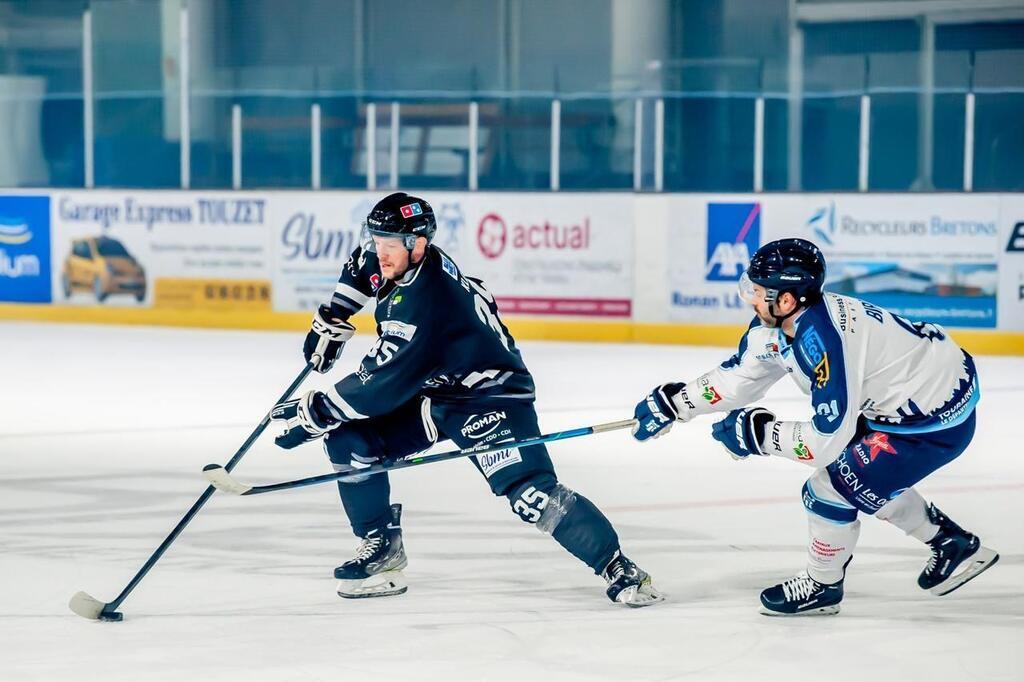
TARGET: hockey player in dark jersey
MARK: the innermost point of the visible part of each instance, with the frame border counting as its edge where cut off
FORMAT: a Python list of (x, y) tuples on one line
[(444, 366)]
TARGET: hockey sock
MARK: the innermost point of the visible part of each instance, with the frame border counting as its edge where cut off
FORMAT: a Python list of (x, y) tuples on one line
[(909, 513), (367, 503), (581, 528), (831, 546)]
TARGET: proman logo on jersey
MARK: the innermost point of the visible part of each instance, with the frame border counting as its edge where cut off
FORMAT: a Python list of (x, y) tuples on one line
[(25, 249), (734, 233), (480, 426), (1016, 243)]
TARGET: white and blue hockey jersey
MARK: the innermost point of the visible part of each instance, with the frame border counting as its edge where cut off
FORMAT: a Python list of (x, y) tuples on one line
[(856, 361)]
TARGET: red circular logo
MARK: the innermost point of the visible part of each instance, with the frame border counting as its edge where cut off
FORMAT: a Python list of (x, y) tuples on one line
[(492, 235)]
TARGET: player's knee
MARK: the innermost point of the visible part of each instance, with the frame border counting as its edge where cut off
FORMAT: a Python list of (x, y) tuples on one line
[(349, 450), (822, 500)]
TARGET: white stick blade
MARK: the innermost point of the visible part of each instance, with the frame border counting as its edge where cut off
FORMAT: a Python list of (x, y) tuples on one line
[(86, 606), (220, 479)]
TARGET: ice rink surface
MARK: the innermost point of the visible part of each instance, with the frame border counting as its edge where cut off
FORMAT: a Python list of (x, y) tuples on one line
[(104, 431)]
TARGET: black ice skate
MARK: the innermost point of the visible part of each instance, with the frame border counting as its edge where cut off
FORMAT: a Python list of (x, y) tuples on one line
[(802, 596), (376, 569), (628, 584), (957, 556)]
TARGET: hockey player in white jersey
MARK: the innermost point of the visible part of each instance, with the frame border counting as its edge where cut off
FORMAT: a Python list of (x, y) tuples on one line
[(893, 401)]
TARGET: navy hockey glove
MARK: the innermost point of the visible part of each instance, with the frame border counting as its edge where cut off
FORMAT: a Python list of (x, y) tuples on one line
[(305, 419), (326, 338), (742, 431), (655, 414)]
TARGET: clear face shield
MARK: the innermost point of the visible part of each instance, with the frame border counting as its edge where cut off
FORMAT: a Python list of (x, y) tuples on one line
[(366, 236), (753, 294), (750, 293)]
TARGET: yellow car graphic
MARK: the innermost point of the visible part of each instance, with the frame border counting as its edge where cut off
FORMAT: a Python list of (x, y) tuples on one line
[(102, 265)]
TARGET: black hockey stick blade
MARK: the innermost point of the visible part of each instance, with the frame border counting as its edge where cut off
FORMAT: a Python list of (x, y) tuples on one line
[(222, 480)]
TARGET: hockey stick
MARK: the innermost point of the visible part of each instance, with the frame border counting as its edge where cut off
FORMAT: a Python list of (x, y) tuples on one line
[(87, 606), (220, 478)]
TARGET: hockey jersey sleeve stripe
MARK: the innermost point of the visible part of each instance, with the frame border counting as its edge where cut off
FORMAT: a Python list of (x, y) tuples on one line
[(350, 412), (348, 305), (355, 297)]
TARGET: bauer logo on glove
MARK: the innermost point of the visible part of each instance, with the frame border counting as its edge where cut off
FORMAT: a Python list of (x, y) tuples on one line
[(742, 431)]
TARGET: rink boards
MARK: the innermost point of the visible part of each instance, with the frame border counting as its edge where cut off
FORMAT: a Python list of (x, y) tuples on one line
[(568, 266)]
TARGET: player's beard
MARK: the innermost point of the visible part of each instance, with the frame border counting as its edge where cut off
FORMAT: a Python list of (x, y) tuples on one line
[(767, 320)]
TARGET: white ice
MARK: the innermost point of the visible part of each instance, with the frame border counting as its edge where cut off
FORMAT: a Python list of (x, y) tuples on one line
[(104, 430)]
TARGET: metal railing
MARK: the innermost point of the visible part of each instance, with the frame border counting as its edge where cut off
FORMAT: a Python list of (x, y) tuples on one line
[(648, 134)]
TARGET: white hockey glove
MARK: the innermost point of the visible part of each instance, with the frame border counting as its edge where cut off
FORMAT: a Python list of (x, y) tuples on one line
[(326, 338), (305, 418)]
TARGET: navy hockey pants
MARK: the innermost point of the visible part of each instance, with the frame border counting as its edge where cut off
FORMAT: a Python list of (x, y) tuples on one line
[(525, 476), (877, 466)]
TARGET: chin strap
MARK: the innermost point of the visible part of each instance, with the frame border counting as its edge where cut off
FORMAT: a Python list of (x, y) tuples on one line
[(779, 319)]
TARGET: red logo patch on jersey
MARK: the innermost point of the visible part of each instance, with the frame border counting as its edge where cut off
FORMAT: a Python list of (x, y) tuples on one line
[(375, 281), (878, 442)]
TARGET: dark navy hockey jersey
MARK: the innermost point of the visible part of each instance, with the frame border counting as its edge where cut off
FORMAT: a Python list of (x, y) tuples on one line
[(438, 334)]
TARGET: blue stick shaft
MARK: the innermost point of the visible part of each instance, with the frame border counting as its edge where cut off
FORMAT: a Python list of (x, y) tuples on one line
[(439, 457), (112, 605)]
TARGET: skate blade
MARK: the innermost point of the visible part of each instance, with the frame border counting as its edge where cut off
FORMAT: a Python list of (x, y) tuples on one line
[(823, 611), (386, 584), (638, 597), (975, 565)]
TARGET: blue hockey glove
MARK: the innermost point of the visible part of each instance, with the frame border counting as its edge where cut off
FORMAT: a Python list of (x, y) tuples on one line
[(305, 419), (326, 337), (742, 431), (655, 414)]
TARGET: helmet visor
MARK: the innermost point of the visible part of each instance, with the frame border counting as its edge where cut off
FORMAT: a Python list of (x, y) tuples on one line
[(751, 293), (366, 239), (366, 235)]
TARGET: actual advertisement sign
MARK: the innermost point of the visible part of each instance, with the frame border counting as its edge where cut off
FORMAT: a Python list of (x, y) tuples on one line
[(925, 257), (546, 254), (177, 250), (25, 248), (710, 243), (1011, 263), (537, 254)]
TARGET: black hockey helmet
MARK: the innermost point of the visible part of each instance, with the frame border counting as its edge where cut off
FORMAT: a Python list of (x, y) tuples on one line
[(401, 215), (786, 265)]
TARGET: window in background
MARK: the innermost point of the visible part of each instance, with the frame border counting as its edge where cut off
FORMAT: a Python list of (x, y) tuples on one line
[(952, 80), (894, 153), (597, 144), (515, 139), (837, 70), (274, 64), (135, 78), (41, 127), (998, 64)]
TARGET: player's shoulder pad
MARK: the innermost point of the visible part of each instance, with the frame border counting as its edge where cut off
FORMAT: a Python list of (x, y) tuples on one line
[(448, 266), (818, 343)]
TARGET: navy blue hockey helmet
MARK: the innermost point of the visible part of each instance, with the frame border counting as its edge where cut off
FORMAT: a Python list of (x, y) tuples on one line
[(786, 265), (401, 215)]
